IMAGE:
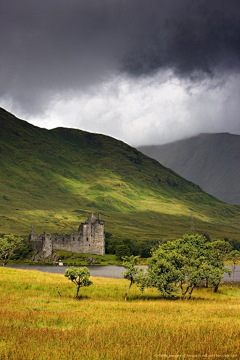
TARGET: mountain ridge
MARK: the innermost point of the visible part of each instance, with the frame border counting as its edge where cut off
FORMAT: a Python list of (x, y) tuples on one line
[(209, 160), (56, 178)]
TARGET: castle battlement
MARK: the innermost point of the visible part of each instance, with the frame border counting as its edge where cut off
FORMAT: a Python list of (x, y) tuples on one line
[(89, 239)]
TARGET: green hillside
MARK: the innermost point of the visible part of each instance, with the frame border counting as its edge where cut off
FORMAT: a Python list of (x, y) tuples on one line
[(55, 178)]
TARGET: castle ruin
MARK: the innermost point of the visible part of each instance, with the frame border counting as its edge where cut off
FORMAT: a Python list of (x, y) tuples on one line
[(89, 239)]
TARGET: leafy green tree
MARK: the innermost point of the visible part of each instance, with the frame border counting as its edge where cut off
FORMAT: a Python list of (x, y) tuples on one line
[(121, 251), (207, 236), (216, 252), (234, 256), (186, 263), (162, 274), (234, 243), (132, 273), (112, 243), (9, 244), (146, 247), (79, 276)]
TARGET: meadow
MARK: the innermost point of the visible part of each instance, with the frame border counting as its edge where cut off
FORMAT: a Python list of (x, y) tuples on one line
[(36, 323)]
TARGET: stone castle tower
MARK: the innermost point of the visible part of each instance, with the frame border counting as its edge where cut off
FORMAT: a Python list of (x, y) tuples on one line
[(89, 239)]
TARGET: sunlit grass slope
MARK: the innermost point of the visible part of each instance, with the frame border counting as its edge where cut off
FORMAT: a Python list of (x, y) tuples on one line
[(55, 178), (36, 323)]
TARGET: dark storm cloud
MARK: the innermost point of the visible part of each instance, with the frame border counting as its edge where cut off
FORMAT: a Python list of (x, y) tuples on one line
[(193, 38), (51, 46), (56, 45)]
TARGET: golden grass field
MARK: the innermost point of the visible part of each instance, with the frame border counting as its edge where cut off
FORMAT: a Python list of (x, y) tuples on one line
[(36, 323)]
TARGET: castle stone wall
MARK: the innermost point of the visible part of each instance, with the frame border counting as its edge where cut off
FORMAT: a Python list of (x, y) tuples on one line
[(89, 239), (36, 245), (47, 245)]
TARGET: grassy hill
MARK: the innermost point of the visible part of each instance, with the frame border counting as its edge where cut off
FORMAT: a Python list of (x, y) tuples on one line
[(210, 160), (55, 178)]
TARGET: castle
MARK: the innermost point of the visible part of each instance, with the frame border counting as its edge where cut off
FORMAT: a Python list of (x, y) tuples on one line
[(89, 239)]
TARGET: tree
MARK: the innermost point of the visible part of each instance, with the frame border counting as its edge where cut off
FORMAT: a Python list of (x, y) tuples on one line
[(216, 252), (234, 256), (122, 250), (206, 235), (162, 274), (234, 243), (186, 263), (9, 244), (147, 246), (79, 276), (132, 273)]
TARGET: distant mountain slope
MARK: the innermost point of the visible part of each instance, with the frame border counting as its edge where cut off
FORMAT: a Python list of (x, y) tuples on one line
[(210, 160), (56, 178)]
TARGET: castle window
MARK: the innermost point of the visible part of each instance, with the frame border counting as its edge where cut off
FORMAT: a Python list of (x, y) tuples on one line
[(87, 240)]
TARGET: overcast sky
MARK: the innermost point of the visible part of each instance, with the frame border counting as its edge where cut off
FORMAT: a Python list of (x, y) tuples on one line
[(143, 71)]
